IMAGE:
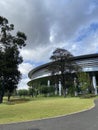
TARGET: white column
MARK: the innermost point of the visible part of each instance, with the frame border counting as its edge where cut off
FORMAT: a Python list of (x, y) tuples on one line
[(94, 84), (75, 85), (60, 86), (66, 91), (48, 83)]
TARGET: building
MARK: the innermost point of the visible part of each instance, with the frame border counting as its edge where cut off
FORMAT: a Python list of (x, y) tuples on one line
[(88, 63)]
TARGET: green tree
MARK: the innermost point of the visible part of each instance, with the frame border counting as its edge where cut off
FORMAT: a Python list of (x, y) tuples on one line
[(12, 74), (31, 91), (84, 81), (63, 66), (44, 90), (23, 92), (9, 58), (47, 91)]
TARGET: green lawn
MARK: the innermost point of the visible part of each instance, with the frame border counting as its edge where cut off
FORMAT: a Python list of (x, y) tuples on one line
[(42, 108)]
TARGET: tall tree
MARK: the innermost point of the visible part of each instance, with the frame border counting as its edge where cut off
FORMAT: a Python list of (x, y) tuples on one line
[(12, 74), (9, 58), (63, 66)]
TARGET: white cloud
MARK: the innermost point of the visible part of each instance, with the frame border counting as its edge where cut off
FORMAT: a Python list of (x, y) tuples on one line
[(25, 68), (42, 53), (39, 18), (49, 24), (39, 54), (23, 83)]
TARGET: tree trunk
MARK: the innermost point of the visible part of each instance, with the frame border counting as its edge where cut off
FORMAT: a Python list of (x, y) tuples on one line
[(1, 95), (63, 85), (32, 95), (9, 95), (1, 98), (64, 92), (2, 90)]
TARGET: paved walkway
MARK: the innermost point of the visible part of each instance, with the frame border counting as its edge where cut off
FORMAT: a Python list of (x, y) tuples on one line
[(87, 120)]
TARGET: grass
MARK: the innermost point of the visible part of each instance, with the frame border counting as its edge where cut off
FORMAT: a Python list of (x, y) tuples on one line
[(40, 108)]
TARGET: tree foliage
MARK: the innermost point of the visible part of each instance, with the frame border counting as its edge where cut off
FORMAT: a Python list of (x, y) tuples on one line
[(47, 91), (84, 81), (63, 66), (23, 92), (9, 56)]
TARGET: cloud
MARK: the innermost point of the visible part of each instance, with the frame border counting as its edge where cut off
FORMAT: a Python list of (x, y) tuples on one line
[(49, 24), (39, 54), (41, 20), (25, 68), (23, 83)]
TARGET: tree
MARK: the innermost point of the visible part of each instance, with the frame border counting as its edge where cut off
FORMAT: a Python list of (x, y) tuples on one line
[(63, 66), (12, 74), (31, 91), (84, 81), (9, 58), (47, 91), (23, 92)]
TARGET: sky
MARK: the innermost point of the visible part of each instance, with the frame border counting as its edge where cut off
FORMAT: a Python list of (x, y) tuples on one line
[(51, 24)]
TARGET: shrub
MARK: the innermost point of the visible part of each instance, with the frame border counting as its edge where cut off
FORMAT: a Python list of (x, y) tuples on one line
[(44, 90), (23, 92), (88, 95), (47, 90)]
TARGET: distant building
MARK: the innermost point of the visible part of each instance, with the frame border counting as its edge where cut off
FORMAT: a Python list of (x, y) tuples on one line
[(88, 63)]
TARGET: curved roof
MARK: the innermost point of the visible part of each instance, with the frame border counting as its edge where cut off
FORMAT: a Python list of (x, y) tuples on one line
[(92, 58)]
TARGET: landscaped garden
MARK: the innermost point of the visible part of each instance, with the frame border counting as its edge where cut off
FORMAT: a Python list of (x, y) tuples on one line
[(24, 109)]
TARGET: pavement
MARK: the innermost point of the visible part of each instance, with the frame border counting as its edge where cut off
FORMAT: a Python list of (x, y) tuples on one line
[(87, 120)]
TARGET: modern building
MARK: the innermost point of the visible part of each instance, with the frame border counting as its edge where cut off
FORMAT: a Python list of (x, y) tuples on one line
[(88, 63)]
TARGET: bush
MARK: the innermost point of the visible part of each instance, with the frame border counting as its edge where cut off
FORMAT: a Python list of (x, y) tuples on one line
[(88, 96), (71, 90), (31, 92), (51, 90), (44, 90), (23, 92), (47, 90)]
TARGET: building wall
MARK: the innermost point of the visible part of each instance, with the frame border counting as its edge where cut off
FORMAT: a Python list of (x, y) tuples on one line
[(88, 64)]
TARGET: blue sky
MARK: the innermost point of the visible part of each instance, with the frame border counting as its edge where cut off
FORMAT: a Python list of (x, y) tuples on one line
[(87, 31), (49, 24)]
